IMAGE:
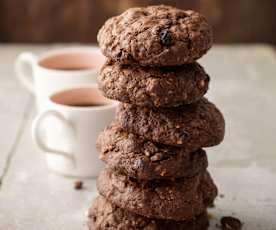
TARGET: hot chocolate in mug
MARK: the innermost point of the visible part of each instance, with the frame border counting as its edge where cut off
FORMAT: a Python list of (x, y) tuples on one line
[(58, 69), (68, 128)]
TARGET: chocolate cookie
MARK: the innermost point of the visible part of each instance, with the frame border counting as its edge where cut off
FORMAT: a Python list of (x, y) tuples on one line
[(193, 126), (129, 154), (178, 200), (151, 86), (104, 215), (155, 36)]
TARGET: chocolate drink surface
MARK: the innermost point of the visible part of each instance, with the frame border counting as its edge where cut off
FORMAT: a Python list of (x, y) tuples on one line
[(95, 104)]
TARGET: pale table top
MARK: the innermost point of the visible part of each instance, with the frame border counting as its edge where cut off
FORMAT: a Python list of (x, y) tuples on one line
[(243, 85)]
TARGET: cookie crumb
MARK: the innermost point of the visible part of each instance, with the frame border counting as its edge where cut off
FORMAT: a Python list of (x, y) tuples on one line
[(221, 195), (210, 216), (212, 205), (78, 185), (230, 223)]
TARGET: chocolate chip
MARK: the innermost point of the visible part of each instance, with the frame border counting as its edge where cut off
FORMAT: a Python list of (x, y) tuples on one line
[(207, 78), (230, 223), (184, 134), (132, 179), (78, 185), (165, 37), (151, 184), (119, 55)]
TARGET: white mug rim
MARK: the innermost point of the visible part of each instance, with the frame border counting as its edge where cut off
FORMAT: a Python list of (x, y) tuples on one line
[(111, 105), (65, 50)]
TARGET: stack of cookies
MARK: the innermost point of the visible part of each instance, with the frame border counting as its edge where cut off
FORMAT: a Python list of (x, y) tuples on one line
[(155, 175)]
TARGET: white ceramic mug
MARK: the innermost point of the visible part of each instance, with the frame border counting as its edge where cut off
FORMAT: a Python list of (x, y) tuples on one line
[(58, 69), (68, 129)]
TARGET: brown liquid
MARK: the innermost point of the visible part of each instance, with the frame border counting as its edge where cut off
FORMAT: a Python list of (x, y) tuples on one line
[(72, 68), (73, 61), (81, 97), (86, 105)]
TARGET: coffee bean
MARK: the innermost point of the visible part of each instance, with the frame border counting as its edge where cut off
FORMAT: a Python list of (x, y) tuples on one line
[(78, 185), (230, 223)]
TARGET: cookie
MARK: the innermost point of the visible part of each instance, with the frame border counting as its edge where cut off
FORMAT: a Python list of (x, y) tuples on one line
[(151, 86), (129, 154), (104, 215), (192, 126), (155, 36), (178, 200)]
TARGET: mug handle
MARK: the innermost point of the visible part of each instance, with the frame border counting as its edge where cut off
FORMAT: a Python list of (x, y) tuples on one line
[(22, 61), (37, 132)]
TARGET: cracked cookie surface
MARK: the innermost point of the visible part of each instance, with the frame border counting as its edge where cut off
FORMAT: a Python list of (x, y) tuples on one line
[(104, 215), (151, 86), (192, 126), (130, 154), (181, 199), (155, 36)]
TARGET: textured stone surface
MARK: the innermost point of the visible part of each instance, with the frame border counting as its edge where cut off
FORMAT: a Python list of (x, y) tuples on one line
[(243, 166)]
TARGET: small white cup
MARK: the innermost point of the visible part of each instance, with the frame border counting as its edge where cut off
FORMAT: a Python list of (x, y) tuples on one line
[(58, 69), (68, 129)]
